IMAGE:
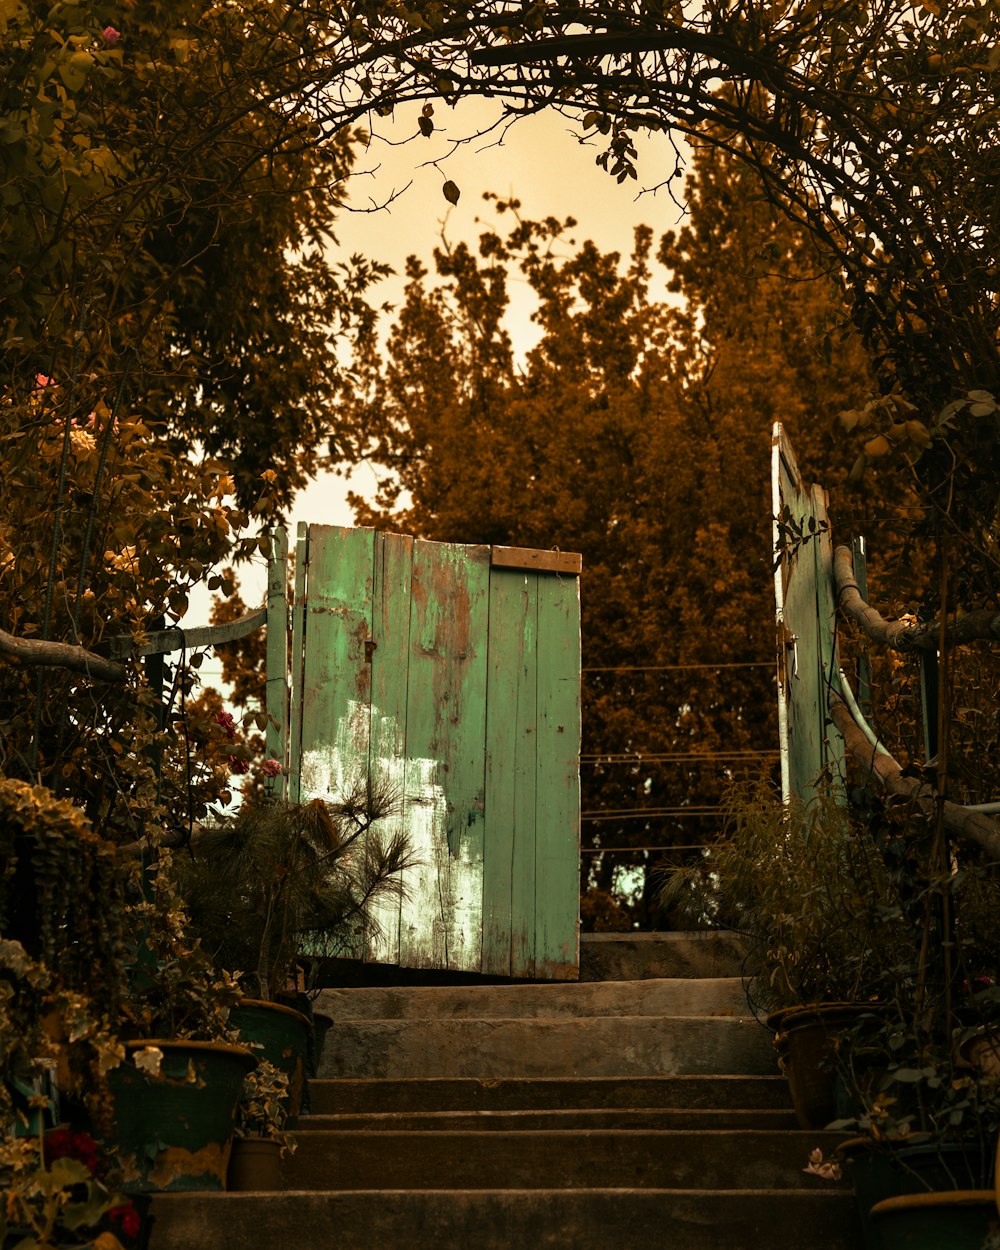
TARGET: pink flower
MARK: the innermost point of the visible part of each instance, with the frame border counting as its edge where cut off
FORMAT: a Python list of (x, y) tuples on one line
[(271, 768), (111, 36), (41, 380), (228, 724), (238, 766)]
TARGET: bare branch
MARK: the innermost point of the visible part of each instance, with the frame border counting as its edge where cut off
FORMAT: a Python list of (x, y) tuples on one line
[(38, 654)]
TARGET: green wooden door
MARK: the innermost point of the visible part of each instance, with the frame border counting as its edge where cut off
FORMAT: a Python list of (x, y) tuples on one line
[(450, 674), (811, 747)]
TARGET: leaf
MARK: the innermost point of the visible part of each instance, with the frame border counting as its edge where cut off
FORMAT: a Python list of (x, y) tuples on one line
[(918, 434), (857, 473), (426, 126), (74, 71), (451, 192), (877, 446)]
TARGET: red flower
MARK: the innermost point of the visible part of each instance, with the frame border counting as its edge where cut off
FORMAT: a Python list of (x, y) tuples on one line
[(128, 1220), (225, 719), (64, 1143), (111, 36), (238, 766)]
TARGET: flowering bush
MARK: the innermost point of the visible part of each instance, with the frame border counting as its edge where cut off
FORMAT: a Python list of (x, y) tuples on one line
[(55, 1194)]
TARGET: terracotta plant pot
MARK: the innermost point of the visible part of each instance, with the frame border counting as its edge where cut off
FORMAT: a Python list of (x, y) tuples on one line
[(322, 1025), (255, 1164), (281, 1035), (173, 1131), (804, 1038)]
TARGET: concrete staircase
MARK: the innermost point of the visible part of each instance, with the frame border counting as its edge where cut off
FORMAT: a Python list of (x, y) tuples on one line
[(638, 1108)]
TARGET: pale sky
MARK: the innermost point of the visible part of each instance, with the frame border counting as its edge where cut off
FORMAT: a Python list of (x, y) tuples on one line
[(540, 162)]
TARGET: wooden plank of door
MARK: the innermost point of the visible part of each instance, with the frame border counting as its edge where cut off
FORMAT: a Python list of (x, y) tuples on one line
[(276, 688), (511, 739), (807, 634), (557, 783), (336, 678), (298, 662), (445, 737), (389, 668)]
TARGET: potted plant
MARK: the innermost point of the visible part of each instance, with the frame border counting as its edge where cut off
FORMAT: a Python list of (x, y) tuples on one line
[(57, 1195), (928, 1118), (261, 1140), (927, 1126), (812, 895), (281, 881), (174, 1095)]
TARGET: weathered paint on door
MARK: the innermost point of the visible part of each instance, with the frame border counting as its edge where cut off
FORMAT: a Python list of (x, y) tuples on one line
[(811, 747), (451, 674)]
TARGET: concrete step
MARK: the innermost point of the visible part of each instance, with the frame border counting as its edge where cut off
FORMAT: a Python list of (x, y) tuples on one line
[(675, 996), (641, 956), (562, 1219), (595, 1046), (367, 1096), (631, 1118), (554, 1159)]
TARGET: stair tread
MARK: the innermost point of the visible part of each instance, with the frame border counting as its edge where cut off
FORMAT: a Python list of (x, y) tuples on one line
[(651, 1068), (497, 1219)]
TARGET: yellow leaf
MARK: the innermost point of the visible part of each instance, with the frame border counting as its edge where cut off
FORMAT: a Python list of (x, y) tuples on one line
[(877, 446)]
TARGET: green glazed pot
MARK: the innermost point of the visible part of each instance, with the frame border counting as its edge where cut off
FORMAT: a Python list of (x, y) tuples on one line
[(281, 1035), (173, 1131), (877, 1174), (958, 1220)]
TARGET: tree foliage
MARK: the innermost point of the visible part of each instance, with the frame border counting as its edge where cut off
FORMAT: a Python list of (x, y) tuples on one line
[(168, 174), (171, 301), (167, 227)]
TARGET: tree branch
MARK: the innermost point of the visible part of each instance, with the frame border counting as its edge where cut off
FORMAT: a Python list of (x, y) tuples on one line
[(36, 653), (981, 625), (975, 826)]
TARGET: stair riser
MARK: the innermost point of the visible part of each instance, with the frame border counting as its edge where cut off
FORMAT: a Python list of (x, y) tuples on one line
[(548, 1093), (723, 997), (630, 1046), (635, 957), (597, 1220), (553, 1160)]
